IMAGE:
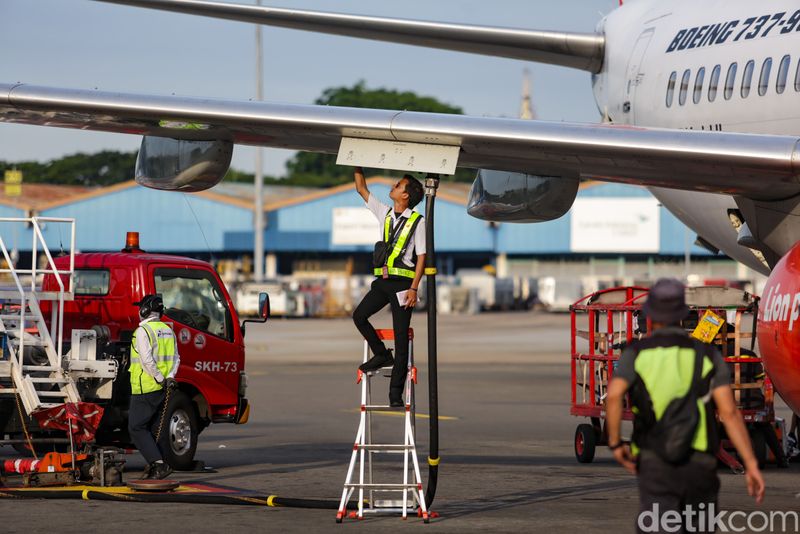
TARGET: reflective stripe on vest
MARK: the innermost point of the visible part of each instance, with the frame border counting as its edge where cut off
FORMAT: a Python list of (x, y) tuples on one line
[(163, 352), (394, 264), (666, 373)]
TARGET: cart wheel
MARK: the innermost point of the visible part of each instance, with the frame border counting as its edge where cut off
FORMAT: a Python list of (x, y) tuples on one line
[(585, 442)]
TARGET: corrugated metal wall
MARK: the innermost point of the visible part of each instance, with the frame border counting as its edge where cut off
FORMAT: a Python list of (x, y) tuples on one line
[(168, 222)]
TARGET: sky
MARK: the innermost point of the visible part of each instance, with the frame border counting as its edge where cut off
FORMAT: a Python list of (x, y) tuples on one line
[(84, 44)]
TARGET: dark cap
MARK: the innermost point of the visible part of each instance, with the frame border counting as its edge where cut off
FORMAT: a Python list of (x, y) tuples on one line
[(150, 304), (666, 301)]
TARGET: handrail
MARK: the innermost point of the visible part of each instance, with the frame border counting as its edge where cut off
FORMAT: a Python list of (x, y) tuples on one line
[(60, 320), (17, 354), (57, 317)]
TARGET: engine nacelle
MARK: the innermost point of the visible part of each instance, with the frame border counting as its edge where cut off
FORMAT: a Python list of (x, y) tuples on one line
[(514, 197), (181, 165)]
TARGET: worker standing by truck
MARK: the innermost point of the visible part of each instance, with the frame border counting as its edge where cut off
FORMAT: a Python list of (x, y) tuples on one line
[(154, 363), (398, 262), (674, 383)]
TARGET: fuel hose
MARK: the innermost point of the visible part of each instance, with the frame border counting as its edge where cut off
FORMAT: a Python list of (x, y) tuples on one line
[(172, 497), (431, 185)]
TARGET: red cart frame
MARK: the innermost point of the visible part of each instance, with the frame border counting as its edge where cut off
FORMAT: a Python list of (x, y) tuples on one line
[(603, 322)]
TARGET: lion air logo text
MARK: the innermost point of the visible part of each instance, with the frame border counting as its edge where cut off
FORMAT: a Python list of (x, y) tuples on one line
[(781, 306)]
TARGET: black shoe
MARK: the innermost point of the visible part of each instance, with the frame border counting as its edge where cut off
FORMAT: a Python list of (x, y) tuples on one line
[(377, 361), (396, 398), (147, 471), (160, 470), (783, 463)]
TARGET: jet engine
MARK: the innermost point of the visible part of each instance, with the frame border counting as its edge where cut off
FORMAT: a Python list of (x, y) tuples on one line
[(182, 165), (514, 197)]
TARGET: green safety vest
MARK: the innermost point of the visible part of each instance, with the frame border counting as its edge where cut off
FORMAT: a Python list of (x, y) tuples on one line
[(162, 339), (394, 264), (664, 368)]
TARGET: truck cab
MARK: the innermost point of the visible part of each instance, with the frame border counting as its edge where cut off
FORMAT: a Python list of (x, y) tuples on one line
[(211, 376)]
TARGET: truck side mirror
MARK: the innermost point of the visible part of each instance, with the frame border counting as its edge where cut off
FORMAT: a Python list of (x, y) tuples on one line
[(263, 306), (263, 311)]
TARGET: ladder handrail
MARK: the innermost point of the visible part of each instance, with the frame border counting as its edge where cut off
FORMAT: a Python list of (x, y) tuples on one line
[(29, 302), (60, 318), (16, 354)]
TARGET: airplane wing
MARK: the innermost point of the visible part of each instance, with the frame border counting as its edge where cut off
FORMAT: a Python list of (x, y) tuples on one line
[(577, 50), (763, 167)]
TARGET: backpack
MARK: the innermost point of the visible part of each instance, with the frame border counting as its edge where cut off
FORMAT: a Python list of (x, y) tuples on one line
[(671, 437)]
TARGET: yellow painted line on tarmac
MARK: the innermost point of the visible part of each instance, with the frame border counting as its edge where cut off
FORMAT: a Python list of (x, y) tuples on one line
[(401, 413)]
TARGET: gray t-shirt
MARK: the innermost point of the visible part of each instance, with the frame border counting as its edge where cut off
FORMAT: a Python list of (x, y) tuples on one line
[(625, 369)]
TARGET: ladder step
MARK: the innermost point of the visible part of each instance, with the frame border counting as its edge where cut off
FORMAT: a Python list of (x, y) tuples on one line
[(40, 295), (40, 368), (49, 380), (383, 486), (7, 390), (382, 407), (15, 317), (45, 405), (392, 447), (52, 394), (36, 342)]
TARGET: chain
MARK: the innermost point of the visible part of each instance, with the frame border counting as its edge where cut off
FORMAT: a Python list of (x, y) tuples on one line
[(163, 415), (25, 427)]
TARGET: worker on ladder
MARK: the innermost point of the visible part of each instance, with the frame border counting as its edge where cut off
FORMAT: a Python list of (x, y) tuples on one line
[(399, 263), (154, 363)]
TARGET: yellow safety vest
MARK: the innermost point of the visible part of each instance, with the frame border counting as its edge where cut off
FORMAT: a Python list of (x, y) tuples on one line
[(394, 264), (162, 339)]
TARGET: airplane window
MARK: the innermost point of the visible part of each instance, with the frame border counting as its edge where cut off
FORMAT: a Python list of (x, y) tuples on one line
[(730, 81), (763, 80), (671, 88), (698, 85), (783, 74), (684, 86), (797, 78), (747, 78), (714, 83)]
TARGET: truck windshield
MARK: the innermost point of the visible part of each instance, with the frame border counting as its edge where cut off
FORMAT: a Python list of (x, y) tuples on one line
[(193, 298)]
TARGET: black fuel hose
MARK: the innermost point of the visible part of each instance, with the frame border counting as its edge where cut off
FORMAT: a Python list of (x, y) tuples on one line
[(184, 498), (431, 184)]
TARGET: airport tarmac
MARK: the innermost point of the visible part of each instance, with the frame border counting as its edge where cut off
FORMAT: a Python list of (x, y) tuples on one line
[(506, 440)]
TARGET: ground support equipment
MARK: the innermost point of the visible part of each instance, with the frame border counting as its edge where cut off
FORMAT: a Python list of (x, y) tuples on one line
[(601, 324), (369, 491), (604, 322)]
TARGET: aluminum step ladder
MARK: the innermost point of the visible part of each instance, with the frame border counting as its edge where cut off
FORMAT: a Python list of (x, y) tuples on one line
[(43, 383), (369, 492)]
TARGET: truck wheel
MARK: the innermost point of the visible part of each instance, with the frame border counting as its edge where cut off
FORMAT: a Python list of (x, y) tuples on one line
[(585, 442), (179, 434)]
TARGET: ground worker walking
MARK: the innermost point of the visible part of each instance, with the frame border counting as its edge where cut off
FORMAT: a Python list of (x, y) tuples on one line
[(398, 262), (154, 363), (675, 383)]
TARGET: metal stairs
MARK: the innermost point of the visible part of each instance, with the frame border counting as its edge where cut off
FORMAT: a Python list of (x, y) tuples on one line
[(31, 361)]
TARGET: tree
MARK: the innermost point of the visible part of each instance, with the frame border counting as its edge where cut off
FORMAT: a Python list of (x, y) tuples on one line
[(103, 168), (320, 170)]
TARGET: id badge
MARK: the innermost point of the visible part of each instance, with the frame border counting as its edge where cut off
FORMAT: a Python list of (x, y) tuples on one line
[(384, 272)]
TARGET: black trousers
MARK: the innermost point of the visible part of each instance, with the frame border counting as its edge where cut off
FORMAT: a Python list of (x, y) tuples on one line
[(694, 484), (143, 419), (382, 292)]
